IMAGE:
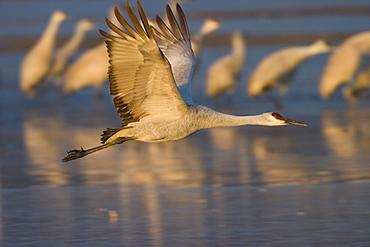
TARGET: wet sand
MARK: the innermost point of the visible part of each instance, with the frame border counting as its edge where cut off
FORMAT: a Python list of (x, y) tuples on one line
[(244, 186)]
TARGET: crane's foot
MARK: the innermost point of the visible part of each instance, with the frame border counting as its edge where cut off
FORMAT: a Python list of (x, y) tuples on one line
[(74, 154)]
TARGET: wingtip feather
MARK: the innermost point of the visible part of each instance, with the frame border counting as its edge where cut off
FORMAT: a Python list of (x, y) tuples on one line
[(144, 20), (173, 22), (183, 22)]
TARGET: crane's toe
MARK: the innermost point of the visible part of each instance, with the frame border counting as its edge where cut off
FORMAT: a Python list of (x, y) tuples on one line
[(74, 154)]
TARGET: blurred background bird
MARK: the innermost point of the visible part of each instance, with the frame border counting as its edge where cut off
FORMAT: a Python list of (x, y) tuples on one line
[(222, 75), (209, 25), (277, 70), (352, 91), (36, 64), (91, 68), (64, 54), (344, 64)]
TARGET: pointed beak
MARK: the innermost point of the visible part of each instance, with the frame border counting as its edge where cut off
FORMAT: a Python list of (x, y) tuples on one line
[(289, 121)]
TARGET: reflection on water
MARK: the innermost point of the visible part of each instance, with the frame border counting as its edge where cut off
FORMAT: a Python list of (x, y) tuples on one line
[(341, 136), (217, 157), (347, 137), (347, 132), (274, 165), (41, 136), (46, 139)]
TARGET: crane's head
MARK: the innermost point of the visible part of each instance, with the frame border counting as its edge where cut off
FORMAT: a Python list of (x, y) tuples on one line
[(209, 26), (321, 46), (85, 25), (59, 16), (276, 119)]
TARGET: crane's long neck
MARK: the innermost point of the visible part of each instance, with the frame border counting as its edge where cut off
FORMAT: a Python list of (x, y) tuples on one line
[(237, 44), (47, 39), (72, 45), (238, 48), (305, 52), (210, 119)]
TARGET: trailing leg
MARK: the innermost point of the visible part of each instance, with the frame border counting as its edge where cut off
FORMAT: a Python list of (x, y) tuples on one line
[(79, 153)]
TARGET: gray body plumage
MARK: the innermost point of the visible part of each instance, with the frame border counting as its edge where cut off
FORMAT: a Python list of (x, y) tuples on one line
[(36, 64)]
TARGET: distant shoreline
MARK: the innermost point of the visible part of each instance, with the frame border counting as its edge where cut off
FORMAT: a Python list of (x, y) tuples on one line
[(280, 13), (17, 43)]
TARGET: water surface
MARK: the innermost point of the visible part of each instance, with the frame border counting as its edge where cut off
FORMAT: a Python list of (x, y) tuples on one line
[(244, 186)]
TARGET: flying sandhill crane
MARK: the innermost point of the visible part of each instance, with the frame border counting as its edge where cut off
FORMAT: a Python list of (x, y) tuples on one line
[(223, 74), (36, 64), (344, 63), (64, 54), (278, 69), (155, 103), (209, 25)]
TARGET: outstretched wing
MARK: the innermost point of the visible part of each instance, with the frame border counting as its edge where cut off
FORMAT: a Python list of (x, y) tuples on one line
[(174, 42), (139, 74)]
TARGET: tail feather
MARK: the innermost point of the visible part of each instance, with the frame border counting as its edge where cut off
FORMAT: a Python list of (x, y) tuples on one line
[(110, 132)]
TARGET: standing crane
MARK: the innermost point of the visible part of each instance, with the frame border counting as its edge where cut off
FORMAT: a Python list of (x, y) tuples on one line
[(63, 54), (345, 63), (277, 70), (149, 75), (223, 74), (358, 86), (209, 25), (36, 64), (89, 69)]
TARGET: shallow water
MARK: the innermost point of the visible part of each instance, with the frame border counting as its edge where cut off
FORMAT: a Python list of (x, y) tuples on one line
[(244, 186)]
